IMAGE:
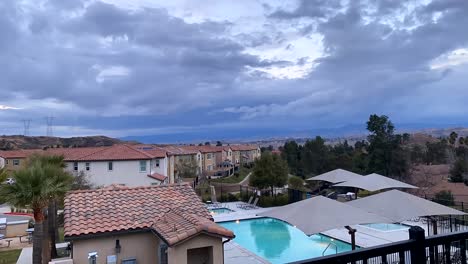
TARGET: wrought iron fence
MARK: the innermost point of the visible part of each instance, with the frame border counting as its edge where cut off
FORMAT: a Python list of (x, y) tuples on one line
[(439, 249)]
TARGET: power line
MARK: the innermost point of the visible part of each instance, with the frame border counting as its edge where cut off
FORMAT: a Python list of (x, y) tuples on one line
[(26, 123), (49, 122)]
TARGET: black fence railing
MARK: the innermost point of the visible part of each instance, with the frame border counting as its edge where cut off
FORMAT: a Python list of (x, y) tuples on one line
[(440, 249)]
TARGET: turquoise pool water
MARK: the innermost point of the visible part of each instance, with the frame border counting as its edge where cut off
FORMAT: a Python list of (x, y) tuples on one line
[(222, 210), (387, 227), (279, 242)]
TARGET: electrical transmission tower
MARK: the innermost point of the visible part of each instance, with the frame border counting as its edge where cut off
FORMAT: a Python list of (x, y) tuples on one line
[(26, 123), (49, 121)]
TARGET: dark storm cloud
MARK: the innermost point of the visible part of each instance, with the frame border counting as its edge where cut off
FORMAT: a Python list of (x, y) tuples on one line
[(372, 65), (309, 8), (103, 66), (164, 57)]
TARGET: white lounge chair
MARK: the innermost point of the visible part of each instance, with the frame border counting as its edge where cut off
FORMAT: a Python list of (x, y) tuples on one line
[(242, 205), (252, 206)]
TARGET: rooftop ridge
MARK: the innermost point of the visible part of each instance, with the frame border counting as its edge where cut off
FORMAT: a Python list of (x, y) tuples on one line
[(137, 150), (120, 188)]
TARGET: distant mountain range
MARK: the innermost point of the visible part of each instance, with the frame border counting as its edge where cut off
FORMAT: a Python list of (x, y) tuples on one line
[(350, 132), (22, 142), (262, 137)]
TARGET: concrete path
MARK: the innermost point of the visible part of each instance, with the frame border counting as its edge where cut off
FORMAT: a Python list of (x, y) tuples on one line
[(235, 254), (246, 180), (26, 254)]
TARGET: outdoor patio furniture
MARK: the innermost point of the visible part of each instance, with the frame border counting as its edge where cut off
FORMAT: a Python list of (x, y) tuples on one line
[(242, 205), (252, 206), (25, 239), (8, 242)]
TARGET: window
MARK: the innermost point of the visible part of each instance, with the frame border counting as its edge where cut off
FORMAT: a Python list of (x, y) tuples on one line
[(75, 166), (142, 165), (129, 261), (92, 257), (198, 156), (88, 166), (6, 162), (229, 153), (110, 166), (157, 163), (208, 156), (16, 162), (210, 167)]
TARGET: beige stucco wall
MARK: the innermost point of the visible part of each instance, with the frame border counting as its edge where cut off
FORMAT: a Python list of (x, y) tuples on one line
[(142, 246), (178, 254), (207, 162), (16, 229), (11, 167)]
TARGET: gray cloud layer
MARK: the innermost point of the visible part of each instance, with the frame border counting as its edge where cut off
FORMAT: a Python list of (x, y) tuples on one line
[(99, 62)]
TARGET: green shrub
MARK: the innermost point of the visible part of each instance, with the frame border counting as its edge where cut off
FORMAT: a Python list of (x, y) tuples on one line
[(444, 198), (270, 201), (364, 193)]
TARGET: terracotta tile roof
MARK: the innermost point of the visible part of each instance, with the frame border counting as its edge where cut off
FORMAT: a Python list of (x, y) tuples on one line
[(118, 208), (115, 152), (180, 150), (243, 147), (203, 149), (18, 154), (73, 154), (157, 176), (153, 151), (176, 226)]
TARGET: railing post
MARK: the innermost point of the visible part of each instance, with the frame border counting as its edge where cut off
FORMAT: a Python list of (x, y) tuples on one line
[(463, 250), (418, 250)]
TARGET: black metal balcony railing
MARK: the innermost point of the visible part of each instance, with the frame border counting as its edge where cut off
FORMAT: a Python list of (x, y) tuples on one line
[(418, 249)]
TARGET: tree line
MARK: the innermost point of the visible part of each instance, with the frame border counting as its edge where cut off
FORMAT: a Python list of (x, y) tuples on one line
[(384, 152)]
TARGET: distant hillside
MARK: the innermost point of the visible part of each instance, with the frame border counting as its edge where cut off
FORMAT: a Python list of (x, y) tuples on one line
[(22, 142)]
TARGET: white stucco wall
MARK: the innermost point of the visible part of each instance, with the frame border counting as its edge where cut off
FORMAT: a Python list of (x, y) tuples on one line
[(124, 172), (2, 163)]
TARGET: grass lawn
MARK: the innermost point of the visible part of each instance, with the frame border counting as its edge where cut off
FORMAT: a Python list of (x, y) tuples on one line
[(10, 256), (234, 179)]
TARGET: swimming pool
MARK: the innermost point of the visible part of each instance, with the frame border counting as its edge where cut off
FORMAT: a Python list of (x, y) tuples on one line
[(279, 242), (386, 227), (221, 210)]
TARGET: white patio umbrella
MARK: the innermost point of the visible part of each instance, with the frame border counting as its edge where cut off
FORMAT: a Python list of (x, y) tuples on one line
[(336, 176), (375, 182), (319, 214), (400, 206)]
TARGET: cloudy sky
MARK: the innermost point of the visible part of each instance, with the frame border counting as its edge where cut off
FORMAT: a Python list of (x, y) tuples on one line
[(217, 69)]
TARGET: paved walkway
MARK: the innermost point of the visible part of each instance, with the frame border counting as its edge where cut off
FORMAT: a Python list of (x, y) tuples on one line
[(246, 180), (235, 254), (26, 254)]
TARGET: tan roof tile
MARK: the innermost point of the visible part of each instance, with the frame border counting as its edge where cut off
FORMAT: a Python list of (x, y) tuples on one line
[(175, 212)]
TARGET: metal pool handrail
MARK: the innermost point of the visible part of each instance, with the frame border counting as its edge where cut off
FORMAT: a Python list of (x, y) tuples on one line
[(331, 243)]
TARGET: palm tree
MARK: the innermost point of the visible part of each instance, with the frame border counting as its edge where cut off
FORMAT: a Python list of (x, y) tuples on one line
[(35, 186), (54, 165), (3, 175)]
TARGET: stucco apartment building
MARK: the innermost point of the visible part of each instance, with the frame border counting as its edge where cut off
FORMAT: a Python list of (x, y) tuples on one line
[(165, 224), (137, 165), (245, 154), (131, 165)]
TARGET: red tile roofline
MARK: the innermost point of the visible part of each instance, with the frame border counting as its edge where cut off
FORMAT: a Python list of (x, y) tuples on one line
[(157, 176)]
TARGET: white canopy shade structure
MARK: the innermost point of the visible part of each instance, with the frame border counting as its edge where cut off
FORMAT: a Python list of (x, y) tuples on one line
[(319, 214), (375, 182), (336, 176), (400, 206)]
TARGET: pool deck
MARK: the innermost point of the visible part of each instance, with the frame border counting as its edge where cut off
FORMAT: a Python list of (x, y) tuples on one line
[(365, 236)]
